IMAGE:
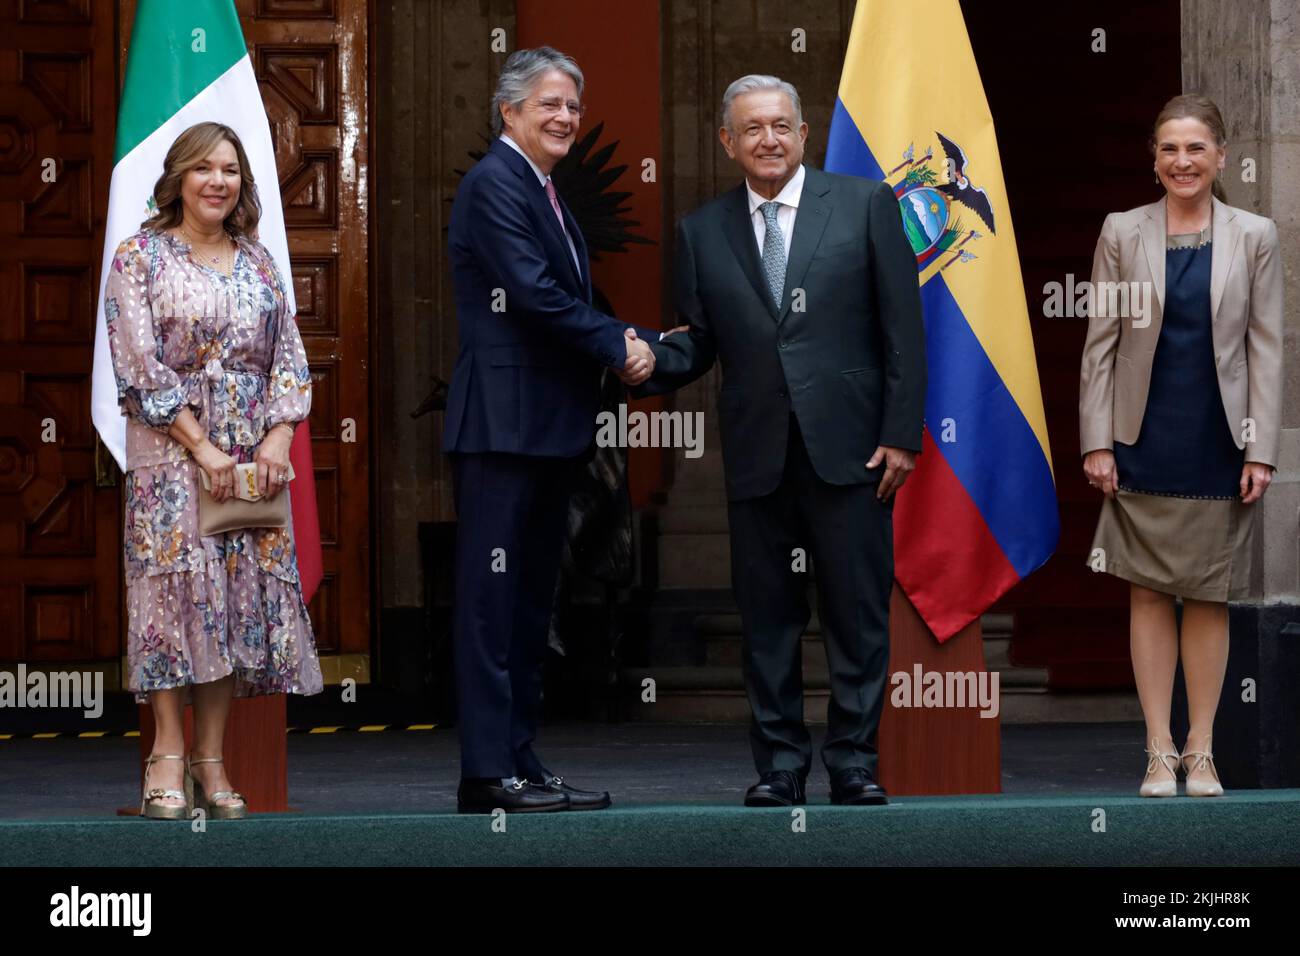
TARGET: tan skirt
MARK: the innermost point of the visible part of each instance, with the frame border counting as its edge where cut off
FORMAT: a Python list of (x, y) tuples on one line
[(1199, 548)]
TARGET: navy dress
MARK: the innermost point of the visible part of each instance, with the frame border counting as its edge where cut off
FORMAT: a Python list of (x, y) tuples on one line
[(1185, 447)]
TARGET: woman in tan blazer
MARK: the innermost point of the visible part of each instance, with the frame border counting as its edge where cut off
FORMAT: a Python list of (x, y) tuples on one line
[(1179, 407)]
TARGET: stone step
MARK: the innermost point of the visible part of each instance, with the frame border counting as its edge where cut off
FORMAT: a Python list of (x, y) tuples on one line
[(997, 653), (992, 626), (997, 657), (1061, 707), (702, 681), (707, 695), (694, 560), (726, 651), (722, 639), (688, 680), (716, 694)]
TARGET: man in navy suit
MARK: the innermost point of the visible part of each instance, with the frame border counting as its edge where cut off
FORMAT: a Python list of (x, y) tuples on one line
[(520, 421)]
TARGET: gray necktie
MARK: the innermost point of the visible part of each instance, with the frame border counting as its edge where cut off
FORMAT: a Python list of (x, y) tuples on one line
[(773, 253)]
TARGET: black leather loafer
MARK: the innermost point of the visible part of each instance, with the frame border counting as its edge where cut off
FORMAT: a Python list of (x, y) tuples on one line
[(511, 794), (578, 799), (777, 788), (854, 786)]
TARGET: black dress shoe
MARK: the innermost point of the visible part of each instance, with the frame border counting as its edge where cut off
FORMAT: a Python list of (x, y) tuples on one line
[(776, 788), (578, 799), (854, 786), (511, 794)]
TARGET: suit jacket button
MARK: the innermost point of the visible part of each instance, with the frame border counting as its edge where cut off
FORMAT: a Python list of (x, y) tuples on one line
[(780, 392)]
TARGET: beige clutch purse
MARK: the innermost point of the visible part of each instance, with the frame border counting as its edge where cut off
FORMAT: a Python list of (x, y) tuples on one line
[(247, 509)]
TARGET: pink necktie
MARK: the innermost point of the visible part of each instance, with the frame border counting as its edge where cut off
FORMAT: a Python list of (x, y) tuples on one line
[(555, 204)]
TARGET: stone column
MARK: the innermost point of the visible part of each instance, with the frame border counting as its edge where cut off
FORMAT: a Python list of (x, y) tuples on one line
[(1246, 57), (434, 77), (693, 544)]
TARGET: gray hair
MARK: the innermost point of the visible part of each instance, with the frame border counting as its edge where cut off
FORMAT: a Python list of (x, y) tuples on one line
[(520, 74), (754, 82)]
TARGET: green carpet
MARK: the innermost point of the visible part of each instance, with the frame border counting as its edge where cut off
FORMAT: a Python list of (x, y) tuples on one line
[(1246, 827)]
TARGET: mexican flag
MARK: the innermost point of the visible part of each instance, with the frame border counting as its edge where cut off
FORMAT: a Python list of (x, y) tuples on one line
[(188, 64)]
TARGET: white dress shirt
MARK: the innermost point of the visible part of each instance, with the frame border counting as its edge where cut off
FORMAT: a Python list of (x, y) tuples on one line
[(788, 197), (542, 178)]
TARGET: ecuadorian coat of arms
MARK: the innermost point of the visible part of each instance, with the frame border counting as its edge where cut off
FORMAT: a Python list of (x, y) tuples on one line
[(932, 208)]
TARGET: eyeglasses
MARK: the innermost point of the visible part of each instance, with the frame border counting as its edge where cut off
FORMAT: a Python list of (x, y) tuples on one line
[(553, 104)]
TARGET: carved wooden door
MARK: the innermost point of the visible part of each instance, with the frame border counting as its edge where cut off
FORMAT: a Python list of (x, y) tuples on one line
[(312, 63), (60, 529)]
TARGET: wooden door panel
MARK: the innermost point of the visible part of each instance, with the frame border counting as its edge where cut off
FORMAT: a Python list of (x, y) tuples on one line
[(60, 531), (312, 64)]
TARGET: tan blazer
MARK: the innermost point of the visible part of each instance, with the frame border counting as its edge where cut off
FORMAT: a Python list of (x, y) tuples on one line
[(1246, 310)]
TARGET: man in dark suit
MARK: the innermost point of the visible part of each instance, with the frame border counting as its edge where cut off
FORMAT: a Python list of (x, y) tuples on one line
[(520, 419), (804, 285)]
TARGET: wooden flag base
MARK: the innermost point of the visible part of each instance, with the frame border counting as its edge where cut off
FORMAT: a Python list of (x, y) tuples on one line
[(256, 751), (935, 750)]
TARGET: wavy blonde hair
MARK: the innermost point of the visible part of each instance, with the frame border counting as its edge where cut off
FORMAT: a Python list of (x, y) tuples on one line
[(190, 149)]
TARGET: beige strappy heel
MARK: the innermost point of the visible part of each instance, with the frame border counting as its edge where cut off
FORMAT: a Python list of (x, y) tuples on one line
[(1203, 759), (207, 801), (158, 811), (1160, 788)]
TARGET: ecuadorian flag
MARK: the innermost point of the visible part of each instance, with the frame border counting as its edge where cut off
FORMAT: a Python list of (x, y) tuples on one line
[(979, 513)]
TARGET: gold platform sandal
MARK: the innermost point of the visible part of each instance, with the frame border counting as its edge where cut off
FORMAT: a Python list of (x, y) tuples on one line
[(151, 810), (1203, 760), (207, 801), (1160, 788)]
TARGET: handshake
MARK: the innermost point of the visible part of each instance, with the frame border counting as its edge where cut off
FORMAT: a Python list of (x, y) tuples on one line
[(640, 364)]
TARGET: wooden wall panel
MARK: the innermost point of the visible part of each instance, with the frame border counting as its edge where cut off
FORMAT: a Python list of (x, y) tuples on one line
[(312, 62), (60, 532)]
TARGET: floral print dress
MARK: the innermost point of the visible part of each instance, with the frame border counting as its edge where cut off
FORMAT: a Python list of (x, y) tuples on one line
[(226, 347)]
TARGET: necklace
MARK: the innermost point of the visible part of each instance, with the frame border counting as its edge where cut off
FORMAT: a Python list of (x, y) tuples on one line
[(222, 261)]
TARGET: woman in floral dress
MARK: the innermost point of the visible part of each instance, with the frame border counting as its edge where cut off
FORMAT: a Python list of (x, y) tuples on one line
[(211, 372)]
